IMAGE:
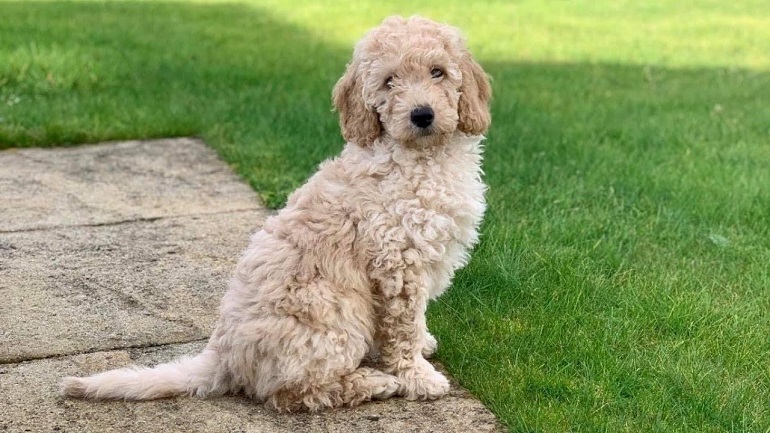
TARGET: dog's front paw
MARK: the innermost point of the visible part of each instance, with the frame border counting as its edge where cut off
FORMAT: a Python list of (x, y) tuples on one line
[(430, 345), (422, 382)]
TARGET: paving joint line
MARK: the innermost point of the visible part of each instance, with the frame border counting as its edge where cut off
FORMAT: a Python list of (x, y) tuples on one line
[(128, 221), (106, 349)]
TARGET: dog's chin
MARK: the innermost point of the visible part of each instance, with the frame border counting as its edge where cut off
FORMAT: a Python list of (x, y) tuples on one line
[(425, 137)]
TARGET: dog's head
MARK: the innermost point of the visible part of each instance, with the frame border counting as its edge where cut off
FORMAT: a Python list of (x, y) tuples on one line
[(414, 80)]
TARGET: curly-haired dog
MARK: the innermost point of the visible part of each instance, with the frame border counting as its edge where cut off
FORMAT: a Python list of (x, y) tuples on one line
[(349, 264)]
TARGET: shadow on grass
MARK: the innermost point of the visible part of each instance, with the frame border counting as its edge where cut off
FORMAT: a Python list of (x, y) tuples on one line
[(256, 89)]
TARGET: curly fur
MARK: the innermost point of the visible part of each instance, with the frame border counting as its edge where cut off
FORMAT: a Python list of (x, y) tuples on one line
[(348, 266)]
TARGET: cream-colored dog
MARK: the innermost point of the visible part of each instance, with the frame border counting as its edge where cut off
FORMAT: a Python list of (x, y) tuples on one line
[(348, 266)]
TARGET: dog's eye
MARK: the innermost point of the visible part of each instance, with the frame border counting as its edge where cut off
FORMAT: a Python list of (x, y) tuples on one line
[(436, 73), (389, 82)]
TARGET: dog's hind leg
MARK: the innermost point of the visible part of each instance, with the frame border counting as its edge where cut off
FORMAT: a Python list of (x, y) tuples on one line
[(366, 384), (363, 384)]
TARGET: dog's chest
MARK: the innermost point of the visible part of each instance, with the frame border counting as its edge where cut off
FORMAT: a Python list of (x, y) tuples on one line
[(438, 199)]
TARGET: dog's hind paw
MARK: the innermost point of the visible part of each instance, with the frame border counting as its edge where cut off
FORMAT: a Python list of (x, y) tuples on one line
[(386, 387)]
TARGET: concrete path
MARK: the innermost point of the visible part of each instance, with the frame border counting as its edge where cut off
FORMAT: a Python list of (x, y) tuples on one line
[(118, 253)]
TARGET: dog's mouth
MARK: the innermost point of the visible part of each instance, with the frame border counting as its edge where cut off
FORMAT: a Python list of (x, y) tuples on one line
[(424, 132), (427, 137)]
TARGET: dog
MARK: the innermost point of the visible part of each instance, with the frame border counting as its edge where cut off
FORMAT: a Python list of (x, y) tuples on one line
[(347, 267)]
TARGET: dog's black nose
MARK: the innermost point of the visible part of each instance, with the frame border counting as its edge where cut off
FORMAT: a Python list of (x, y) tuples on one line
[(422, 116)]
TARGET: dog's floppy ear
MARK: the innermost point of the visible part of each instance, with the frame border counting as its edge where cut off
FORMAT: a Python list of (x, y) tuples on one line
[(359, 123), (473, 107)]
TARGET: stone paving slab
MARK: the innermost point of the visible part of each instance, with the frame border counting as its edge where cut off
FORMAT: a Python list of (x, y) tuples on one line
[(27, 392), (118, 253), (114, 182), (84, 288)]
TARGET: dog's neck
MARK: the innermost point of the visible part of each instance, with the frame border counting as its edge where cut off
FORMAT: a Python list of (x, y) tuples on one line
[(428, 146), (379, 157)]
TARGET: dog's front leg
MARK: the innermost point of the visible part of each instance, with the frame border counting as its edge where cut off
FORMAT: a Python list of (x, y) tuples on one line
[(401, 334), (429, 343)]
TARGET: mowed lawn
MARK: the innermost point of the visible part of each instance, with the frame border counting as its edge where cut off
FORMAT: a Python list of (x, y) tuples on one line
[(622, 282)]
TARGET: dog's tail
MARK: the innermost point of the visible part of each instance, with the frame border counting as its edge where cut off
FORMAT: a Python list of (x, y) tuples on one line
[(186, 376)]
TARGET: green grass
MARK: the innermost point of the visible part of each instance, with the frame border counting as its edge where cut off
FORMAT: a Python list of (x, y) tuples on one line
[(623, 278)]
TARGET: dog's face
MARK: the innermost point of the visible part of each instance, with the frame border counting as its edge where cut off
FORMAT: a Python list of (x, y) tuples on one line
[(415, 81)]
